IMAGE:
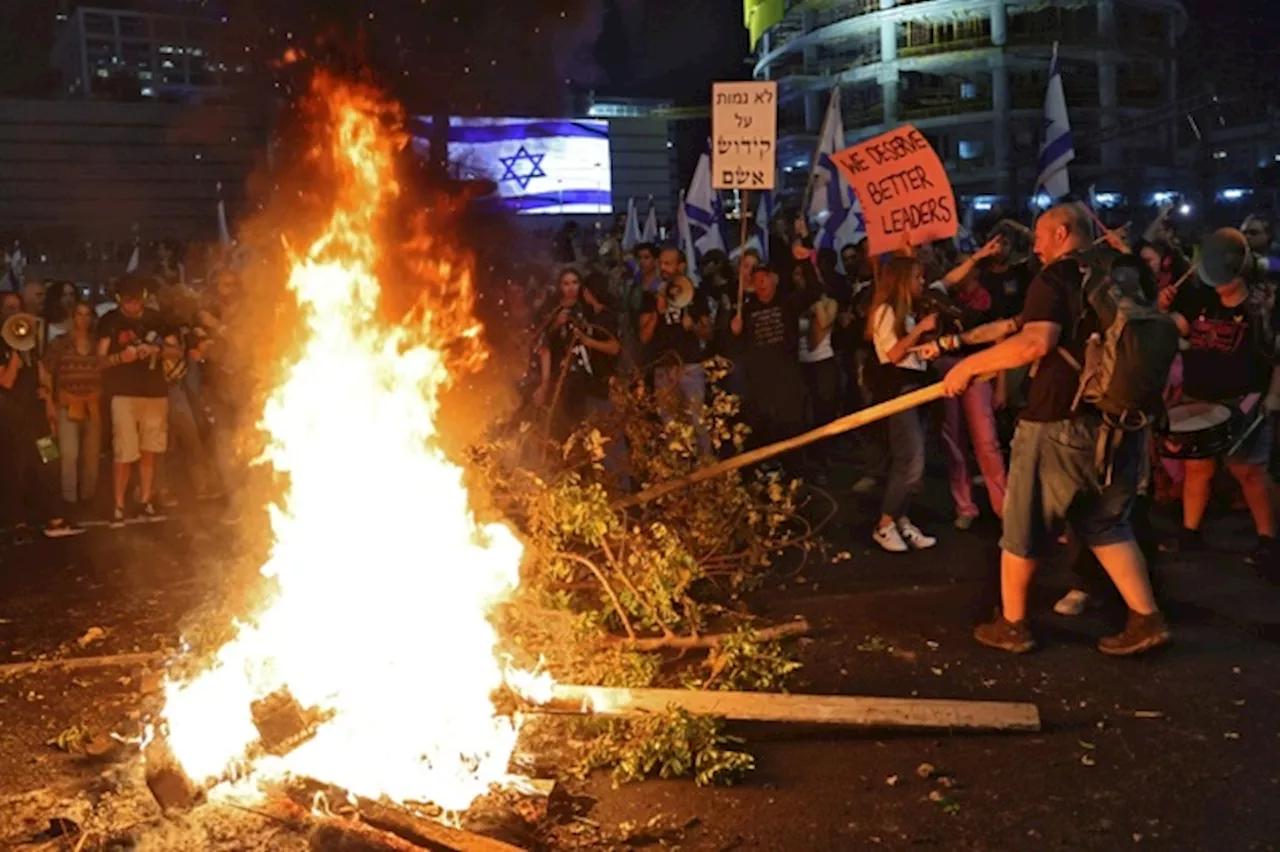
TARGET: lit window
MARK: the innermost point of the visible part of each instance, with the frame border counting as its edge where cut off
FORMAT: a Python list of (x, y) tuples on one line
[(972, 149), (968, 91)]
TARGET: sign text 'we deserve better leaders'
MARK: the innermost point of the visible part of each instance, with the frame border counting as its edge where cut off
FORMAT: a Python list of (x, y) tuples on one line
[(903, 188)]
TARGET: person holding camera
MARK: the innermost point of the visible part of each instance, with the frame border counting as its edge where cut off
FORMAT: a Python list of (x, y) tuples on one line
[(131, 339)]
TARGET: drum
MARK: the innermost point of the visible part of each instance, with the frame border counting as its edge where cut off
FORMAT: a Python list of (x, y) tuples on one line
[(1199, 430)]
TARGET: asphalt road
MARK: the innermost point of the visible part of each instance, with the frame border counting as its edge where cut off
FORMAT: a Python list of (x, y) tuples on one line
[(1174, 751)]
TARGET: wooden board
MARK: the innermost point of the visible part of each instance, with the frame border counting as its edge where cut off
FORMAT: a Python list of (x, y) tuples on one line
[(77, 663), (852, 711)]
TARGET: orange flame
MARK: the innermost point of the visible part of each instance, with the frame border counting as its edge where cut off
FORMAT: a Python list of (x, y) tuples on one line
[(385, 578)]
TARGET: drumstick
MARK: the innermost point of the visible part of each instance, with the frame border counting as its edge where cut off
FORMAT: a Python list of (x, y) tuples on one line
[(1106, 232), (1185, 275), (1103, 238)]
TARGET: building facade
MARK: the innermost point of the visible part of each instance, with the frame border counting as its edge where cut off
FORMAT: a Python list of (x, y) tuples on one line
[(971, 75), (129, 54)]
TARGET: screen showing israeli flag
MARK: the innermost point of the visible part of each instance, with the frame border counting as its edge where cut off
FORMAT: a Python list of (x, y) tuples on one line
[(540, 165)]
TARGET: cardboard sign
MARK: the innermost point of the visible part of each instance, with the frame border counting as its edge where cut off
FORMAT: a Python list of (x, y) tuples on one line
[(744, 135), (903, 188)]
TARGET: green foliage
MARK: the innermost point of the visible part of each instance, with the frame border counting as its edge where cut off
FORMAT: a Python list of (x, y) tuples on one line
[(743, 663), (598, 576), (71, 740), (670, 745)]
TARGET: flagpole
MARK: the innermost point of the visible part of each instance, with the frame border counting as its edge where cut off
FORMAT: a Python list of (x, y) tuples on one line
[(813, 161), (742, 244)]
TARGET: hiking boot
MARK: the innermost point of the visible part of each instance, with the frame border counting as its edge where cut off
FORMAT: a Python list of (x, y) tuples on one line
[(1184, 541), (1072, 603), (1005, 635), (912, 535), (890, 539), (1141, 633)]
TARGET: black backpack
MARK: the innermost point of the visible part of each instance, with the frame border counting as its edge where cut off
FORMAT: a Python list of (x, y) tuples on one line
[(1126, 364)]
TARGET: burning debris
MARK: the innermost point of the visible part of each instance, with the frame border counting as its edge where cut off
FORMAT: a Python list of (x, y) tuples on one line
[(337, 680)]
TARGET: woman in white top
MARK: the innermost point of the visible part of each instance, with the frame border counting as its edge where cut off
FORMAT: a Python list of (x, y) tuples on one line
[(893, 330)]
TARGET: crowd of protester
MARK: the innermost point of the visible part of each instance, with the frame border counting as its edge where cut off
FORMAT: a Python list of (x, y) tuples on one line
[(113, 399), (815, 334), (139, 374)]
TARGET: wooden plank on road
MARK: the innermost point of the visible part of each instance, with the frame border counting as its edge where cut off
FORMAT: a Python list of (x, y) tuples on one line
[(845, 710)]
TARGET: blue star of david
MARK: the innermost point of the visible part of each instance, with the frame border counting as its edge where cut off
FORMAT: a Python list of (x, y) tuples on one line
[(510, 163)]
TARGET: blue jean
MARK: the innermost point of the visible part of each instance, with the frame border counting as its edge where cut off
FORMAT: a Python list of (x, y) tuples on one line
[(1054, 477), (184, 432), (905, 432), (80, 445)]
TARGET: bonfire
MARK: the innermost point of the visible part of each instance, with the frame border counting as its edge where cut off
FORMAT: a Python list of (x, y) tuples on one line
[(378, 629)]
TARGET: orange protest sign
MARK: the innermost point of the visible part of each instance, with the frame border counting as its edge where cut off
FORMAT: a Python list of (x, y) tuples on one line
[(903, 188)]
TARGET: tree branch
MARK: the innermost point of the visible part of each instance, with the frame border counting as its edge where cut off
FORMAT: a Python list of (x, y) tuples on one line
[(799, 627), (613, 596)]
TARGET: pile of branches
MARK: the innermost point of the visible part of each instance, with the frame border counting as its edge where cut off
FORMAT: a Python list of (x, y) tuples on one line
[(650, 594)]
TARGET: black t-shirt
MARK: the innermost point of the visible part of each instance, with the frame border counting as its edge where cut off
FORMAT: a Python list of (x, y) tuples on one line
[(587, 370), (671, 336), (1230, 350), (771, 330), (144, 377), (25, 393), (1008, 288), (1056, 296)]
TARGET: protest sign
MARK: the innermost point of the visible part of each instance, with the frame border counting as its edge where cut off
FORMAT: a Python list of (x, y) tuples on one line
[(903, 188), (744, 135)]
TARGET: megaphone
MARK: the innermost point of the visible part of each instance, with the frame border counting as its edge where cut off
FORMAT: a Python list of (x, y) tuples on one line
[(21, 332), (1224, 257), (679, 292)]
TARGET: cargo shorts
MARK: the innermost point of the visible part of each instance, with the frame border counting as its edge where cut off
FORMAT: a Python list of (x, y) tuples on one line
[(1054, 479)]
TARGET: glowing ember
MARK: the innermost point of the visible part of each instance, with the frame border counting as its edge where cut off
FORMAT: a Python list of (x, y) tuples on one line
[(385, 578)]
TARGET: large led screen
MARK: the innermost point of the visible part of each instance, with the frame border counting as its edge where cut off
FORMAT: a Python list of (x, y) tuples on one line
[(539, 165)]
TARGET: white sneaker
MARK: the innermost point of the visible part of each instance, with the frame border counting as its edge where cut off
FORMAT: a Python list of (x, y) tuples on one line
[(911, 535), (890, 539), (1072, 603)]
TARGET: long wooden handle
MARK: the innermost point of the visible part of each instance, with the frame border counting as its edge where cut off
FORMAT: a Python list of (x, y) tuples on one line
[(836, 427)]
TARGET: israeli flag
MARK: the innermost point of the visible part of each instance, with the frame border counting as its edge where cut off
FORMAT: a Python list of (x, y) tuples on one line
[(684, 239), (649, 233), (964, 240), (705, 211), (759, 239), (224, 233), (1057, 150), (631, 228), (833, 206), (540, 165)]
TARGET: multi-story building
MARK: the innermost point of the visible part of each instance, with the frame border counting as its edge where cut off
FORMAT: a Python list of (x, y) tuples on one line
[(971, 75), (184, 56)]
